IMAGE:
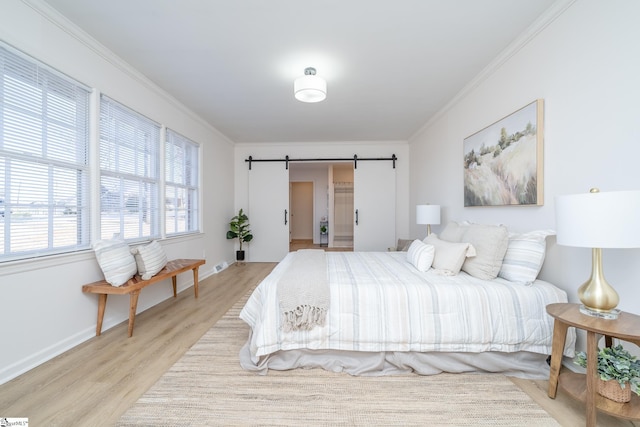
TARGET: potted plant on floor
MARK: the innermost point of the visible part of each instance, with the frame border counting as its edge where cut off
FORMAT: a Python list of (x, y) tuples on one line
[(239, 229), (618, 371)]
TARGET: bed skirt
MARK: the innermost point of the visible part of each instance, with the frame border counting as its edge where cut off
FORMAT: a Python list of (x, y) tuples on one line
[(522, 364)]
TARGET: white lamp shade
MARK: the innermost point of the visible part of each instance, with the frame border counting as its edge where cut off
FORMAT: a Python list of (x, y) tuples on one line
[(310, 88), (428, 214), (599, 220)]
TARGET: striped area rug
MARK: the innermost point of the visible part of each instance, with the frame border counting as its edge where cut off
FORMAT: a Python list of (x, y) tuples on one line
[(207, 387)]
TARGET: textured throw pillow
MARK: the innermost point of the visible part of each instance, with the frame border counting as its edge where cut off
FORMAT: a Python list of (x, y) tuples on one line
[(525, 254), (115, 260), (420, 255), (454, 231), (403, 245), (449, 256), (490, 242), (150, 259)]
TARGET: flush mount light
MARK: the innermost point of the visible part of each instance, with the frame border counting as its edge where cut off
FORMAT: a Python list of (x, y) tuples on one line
[(310, 88)]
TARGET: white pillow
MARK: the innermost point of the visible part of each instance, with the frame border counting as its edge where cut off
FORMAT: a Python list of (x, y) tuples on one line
[(150, 259), (449, 256), (115, 260), (525, 254), (454, 231), (490, 242), (421, 255)]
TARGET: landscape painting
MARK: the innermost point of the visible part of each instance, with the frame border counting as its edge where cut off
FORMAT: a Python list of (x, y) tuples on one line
[(503, 162)]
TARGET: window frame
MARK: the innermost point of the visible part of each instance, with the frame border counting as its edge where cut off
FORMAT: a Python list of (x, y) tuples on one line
[(121, 130), (44, 126), (184, 178)]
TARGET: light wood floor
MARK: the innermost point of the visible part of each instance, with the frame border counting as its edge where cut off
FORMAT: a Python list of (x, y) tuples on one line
[(94, 383), (308, 244)]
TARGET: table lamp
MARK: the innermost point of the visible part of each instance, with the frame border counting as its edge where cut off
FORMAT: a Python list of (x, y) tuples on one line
[(599, 220), (428, 214)]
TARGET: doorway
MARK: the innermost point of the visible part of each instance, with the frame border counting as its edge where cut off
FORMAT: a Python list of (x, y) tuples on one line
[(356, 205), (341, 206), (301, 212), (320, 209)]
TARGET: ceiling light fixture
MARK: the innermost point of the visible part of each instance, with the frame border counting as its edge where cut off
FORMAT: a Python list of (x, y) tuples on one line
[(310, 88)]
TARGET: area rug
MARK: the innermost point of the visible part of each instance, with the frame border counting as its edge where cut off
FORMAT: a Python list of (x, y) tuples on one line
[(207, 387)]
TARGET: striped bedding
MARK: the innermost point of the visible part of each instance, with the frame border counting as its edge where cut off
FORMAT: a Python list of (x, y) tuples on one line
[(380, 303)]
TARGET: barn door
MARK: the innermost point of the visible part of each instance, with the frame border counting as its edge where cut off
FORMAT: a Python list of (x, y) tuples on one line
[(374, 201), (268, 213)]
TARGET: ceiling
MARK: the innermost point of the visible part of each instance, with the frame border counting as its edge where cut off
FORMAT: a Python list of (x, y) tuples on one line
[(390, 65)]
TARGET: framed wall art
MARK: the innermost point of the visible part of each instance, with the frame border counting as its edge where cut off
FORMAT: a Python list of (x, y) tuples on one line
[(503, 163)]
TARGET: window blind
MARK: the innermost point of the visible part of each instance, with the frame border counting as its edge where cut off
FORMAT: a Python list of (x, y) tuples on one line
[(181, 184), (44, 172), (129, 162)]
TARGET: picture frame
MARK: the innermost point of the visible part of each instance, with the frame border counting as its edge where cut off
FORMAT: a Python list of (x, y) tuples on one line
[(503, 163)]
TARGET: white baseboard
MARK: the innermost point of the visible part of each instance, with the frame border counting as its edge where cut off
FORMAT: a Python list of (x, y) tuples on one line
[(18, 368), (7, 373)]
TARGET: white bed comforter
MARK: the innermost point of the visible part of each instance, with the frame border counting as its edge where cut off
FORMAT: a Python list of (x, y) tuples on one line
[(380, 303)]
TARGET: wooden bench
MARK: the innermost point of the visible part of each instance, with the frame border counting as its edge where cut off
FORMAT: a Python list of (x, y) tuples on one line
[(135, 284)]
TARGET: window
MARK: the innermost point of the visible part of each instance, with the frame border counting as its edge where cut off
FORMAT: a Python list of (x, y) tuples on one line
[(181, 186), (45, 176), (44, 173), (129, 170)]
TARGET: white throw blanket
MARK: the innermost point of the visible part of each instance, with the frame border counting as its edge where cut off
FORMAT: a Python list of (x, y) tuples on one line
[(303, 291)]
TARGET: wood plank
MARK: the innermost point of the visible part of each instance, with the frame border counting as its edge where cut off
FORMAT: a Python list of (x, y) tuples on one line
[(95, 382), (566, 410), (625, 327), (574, 384), (136, 283), (172, 268)]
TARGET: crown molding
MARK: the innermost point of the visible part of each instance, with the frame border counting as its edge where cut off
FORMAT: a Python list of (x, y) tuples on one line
[(71, 29), (546, 19), (288, 145)]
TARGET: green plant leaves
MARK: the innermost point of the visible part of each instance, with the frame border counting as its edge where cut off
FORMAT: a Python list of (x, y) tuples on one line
[(615, 363), (239, 228)]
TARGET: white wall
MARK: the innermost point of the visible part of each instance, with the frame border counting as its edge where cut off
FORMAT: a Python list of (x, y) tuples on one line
[(586, 67), (44, 311), (327, 150)]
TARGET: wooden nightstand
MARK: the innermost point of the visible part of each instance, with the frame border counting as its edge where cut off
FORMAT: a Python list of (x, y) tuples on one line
[(626, 327)]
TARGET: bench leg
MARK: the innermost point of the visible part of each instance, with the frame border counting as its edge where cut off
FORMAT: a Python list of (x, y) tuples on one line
[(102, 303), (133, 305), (195, 281), (174, 282)]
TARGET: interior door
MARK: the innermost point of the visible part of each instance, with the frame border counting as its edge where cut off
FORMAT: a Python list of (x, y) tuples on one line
[(301, 197), (374, 202), (268, 211)]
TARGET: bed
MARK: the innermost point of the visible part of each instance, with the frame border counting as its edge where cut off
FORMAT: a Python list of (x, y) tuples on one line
[(385, 316)]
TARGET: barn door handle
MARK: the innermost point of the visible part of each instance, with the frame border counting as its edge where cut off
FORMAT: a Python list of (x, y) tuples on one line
[(356, 216), (285, 217)]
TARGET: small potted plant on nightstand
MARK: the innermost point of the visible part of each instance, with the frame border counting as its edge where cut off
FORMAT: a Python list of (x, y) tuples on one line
[(239, 229), (618, 371)]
